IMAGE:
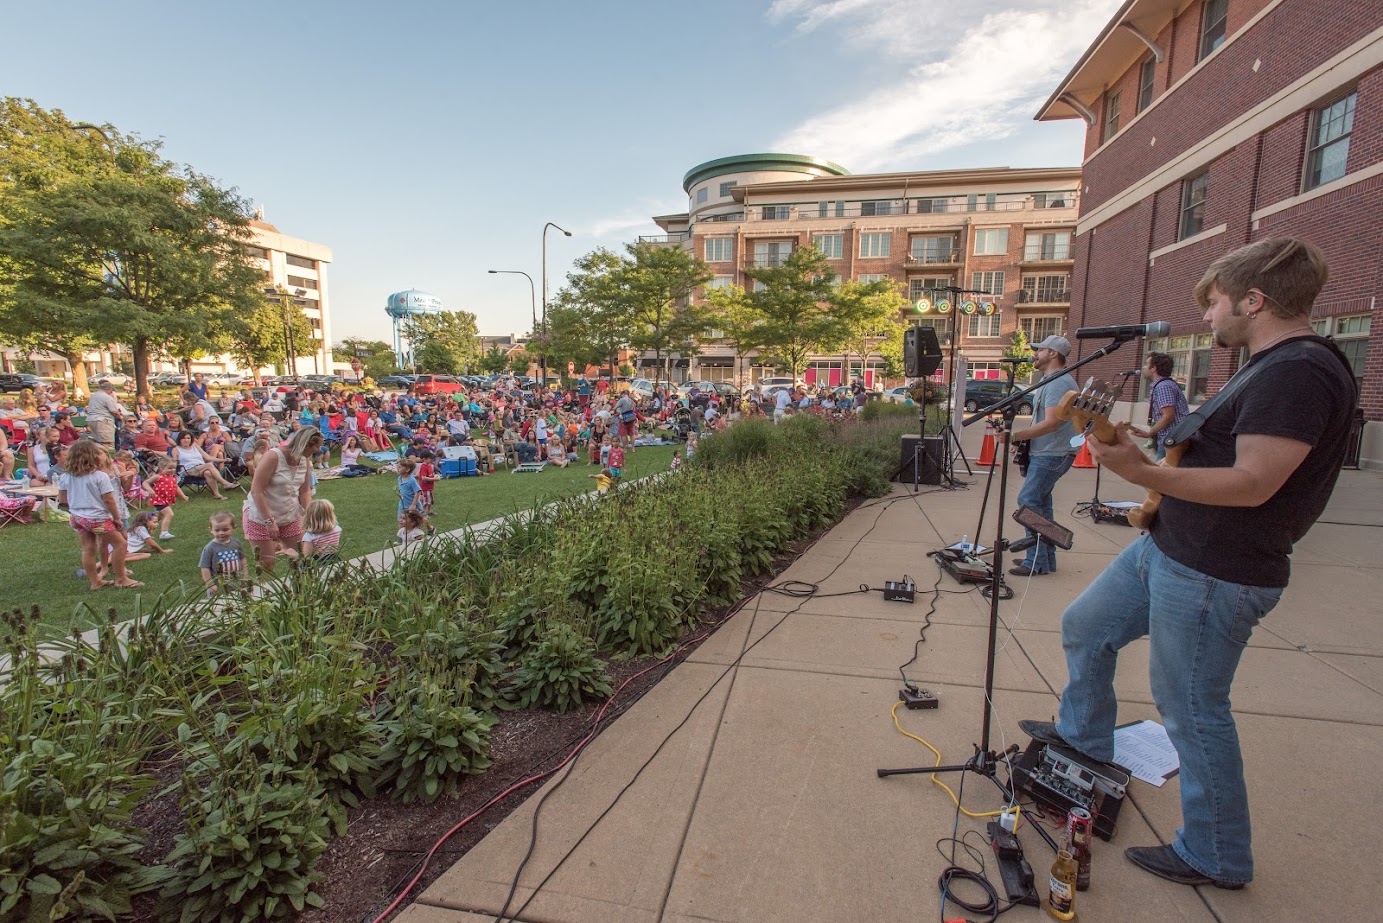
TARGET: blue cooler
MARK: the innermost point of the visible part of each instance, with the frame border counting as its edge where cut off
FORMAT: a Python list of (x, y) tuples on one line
[(452, 468)]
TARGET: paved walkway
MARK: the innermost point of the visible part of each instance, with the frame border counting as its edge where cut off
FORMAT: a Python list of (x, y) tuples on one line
[(765, 805)]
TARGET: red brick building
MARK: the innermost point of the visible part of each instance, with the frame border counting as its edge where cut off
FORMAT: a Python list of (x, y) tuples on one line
[(999, 230), (1213, 123)]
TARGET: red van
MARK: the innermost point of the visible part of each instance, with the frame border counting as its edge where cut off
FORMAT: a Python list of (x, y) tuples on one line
[(437, 384)]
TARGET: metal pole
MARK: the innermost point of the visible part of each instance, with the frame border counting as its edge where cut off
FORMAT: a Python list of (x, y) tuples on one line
[(543, 356)]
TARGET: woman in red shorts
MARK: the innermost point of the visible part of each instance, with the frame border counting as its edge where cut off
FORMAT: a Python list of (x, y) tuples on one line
[(279, 493)]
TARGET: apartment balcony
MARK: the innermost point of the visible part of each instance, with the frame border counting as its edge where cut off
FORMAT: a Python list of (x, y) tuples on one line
[(767, 262), (1048, 254), (1040, 297), (948, 257), (939, 205), (677, 238)]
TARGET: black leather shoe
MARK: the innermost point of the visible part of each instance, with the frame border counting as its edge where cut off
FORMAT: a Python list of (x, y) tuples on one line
[(1164, 862), (1046, 732), (1023, 570)]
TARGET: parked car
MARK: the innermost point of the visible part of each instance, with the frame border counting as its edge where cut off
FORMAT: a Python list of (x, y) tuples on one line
[(436, 384), (395, 382), (897, 395), (168, 380), (115, 378), (18, 381), (225, 380), (983, 392), (766, 383)]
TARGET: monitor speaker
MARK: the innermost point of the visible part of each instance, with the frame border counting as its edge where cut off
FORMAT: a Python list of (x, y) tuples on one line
[(921, 352), (928, 460)]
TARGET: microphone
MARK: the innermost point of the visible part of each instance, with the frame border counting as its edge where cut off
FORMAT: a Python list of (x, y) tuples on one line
[(1158, 328), (1018, 360)]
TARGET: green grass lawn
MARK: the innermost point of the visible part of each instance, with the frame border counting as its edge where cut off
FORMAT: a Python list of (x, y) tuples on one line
[(39, 562)]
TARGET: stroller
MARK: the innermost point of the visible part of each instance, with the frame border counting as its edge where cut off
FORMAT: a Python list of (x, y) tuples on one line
[(681, 420)]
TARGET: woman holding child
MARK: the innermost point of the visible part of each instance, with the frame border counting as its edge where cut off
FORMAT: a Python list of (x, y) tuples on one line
[(279, 494)]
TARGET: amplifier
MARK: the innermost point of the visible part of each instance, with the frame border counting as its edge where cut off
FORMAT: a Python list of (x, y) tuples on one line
[(928, 460), (1036, 775)]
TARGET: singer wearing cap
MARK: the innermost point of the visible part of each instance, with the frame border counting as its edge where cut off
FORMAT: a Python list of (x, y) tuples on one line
[(1052, 455), (1253, 479)]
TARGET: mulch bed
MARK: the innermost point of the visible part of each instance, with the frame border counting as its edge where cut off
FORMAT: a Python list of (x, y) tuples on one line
[(381, 851)]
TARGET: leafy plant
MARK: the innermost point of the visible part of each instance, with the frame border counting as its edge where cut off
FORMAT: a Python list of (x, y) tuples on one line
[(253, 834), (432, 742), (561, 671)]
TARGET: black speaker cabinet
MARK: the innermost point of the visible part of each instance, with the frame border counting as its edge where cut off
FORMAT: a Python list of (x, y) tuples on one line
[(921, 352), (929, 460)]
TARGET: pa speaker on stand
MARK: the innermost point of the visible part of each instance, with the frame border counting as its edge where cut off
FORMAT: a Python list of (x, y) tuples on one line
[(921, 352)]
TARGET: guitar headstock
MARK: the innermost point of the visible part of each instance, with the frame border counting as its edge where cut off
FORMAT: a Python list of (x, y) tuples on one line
[(1090, 408)]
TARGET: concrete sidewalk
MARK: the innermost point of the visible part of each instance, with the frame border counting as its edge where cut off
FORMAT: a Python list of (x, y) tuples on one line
[(765, 805)]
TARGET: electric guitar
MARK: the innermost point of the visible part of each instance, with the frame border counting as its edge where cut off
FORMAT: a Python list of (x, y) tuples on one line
[(1089, 409)]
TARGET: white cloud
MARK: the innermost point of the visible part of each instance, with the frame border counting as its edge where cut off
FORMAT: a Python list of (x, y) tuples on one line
[(965, 80), (637, 219)]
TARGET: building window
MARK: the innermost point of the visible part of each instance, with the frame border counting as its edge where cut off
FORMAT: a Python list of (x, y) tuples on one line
[(982, 325), (1213, 16), (771, 253), (832, 246), (931, 287), (866, 278), (873, 209), (991, 241), (942, 326), (1351, 334), (876, 245), (300, 282), (933, 250), (991, 282), (1190, 361), (1047, 245), (759, 286), (1329, 148), (720, 282), (1146, 74), (1111, 113), (702, 195), (726, 187), (1193, 192), (1046, 289), (931, 206), (777, 212), (301, 261), (1053, 199), (1037, 329), (720, 249), (986, 371), (823, 209), (257, 252)]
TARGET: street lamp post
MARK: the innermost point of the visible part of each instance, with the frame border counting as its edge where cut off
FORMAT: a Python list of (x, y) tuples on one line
[(543, 356), (532, 297)]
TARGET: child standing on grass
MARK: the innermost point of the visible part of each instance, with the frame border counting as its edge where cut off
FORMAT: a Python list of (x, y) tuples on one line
[(91, 497), (411, 523), (163, 491), (676, 461), (322, 535), (616, 464), (223, 559), (409, 488), (141, 540), (691, 445), (427, 479)]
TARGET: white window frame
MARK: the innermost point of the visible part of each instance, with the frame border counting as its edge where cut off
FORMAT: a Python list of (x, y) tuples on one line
[(1192, 206), (1213, 32), (1035, 245), (992, 281), (702, 195), (720, 249), (876, 245), (834, 250), (725, 187), (719, 282), (1049, 324), (984, 325), (1147, 82), (991, 241), (1316, 149)]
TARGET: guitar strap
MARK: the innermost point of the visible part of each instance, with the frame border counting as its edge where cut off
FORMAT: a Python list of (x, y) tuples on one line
[(1198, 417)]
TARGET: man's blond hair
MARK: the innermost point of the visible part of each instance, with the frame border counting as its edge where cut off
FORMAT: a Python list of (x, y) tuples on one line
[(1288, 271)]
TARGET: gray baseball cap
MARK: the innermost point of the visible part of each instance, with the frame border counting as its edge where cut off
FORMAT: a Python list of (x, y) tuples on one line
[(1055, 344)]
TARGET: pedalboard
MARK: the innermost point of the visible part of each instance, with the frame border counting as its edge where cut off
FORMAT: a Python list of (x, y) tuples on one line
[(917, 698), (965, 568), (1016, 872), (905, 592)]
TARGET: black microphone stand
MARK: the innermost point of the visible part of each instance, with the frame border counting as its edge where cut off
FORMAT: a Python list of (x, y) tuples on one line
[(985, 761)]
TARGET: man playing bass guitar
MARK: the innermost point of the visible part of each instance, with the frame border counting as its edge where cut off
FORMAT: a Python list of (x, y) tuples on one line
[(1252, 480)]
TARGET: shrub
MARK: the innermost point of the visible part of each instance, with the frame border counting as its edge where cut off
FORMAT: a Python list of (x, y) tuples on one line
[(561, 671), (432, 741)]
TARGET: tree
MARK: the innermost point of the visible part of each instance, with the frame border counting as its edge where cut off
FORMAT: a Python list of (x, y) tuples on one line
[(598, 293), (870, 313), (493, 361), (447, 342), (136, 248), (795, 302), (519, 362), (730, 312), (1018, 348), (261, 337), (658, 282), (376, 356)]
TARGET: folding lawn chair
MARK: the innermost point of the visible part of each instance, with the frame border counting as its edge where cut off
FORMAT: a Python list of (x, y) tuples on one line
[(16, 510)]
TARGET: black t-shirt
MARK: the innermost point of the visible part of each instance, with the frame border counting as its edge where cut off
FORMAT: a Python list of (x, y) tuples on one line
[(1302, 393)]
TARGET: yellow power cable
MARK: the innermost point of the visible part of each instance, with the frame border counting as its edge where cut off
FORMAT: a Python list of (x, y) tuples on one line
[(1017, 809)]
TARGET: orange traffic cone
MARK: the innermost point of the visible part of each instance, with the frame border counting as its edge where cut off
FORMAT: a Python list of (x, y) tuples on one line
[(987, 447), (1083, 459)]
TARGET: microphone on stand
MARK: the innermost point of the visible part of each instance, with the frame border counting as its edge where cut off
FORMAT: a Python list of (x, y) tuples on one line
[(1158, 328), (1018, 360)]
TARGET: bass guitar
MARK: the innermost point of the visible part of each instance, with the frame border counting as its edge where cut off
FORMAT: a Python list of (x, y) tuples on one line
[(1089, 409)]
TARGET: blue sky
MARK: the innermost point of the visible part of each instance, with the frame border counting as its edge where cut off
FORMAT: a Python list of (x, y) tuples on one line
[(428, 142)]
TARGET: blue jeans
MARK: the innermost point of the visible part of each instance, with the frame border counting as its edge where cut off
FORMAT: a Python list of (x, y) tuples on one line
[(1198, 627), (1043, 473)]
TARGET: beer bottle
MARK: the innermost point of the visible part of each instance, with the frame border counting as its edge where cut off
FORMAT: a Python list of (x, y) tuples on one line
[(1061, 895), (1080, 832)]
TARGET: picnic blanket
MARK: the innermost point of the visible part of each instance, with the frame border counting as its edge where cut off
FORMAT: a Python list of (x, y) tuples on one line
[(386, 456)]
